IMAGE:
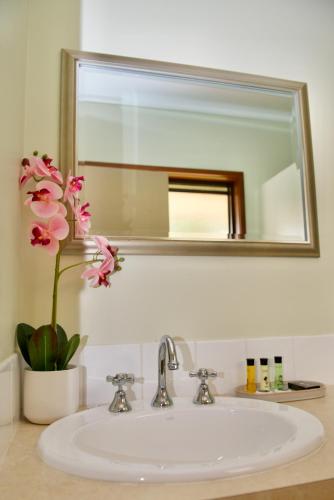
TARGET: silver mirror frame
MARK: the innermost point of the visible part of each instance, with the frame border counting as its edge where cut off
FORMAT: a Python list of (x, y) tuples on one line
[(164, 246)]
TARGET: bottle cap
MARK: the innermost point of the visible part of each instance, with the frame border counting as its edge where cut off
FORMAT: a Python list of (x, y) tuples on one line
[(278, 359), (263, 361), (250, 361)]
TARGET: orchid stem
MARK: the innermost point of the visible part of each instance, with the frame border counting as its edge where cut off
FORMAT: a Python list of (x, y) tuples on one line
[(55, 291), (57, 275), (79, 264)]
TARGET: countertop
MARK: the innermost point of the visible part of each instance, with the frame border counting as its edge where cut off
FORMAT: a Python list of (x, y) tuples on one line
[(23, 476)]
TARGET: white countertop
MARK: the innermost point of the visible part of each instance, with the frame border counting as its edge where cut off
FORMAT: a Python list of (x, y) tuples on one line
[(24, 476)]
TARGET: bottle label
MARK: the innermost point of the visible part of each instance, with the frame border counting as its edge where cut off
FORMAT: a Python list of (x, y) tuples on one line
[(264, 381), (279, 383)]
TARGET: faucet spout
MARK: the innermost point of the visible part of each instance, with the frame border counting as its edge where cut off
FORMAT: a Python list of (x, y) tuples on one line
[(166, 348), (173, 363)]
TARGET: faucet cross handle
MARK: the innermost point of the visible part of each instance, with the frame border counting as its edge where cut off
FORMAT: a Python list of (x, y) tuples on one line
[(203, 374), (203, 395), (121, 379), (120, 403)]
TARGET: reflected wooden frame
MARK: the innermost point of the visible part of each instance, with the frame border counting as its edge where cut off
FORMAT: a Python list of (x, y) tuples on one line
[(165, 246)]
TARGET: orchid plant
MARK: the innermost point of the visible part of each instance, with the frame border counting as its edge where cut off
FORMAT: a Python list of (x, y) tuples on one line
[(48, 348)]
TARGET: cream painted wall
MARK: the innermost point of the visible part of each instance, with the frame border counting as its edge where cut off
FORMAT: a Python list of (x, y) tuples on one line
[(194, 297), (13, 17), (197, 297)]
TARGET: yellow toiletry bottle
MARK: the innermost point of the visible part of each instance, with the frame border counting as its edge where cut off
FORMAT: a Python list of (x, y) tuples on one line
[(251, 375)]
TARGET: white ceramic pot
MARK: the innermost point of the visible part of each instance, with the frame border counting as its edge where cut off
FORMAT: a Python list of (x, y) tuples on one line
[(48, 396)]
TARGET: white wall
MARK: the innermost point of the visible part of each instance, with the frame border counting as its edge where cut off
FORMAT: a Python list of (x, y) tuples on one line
[(195, 297), (13, 17), (282, 201)]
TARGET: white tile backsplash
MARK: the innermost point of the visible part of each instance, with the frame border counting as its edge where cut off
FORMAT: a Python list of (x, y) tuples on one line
[(314, 358), (308, 358), (102, 360), (228, 359)]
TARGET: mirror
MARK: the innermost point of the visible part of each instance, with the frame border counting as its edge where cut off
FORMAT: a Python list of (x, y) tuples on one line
[(187, 160)]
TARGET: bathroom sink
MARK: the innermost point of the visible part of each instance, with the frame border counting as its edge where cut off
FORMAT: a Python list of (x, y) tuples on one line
[(182, 443)]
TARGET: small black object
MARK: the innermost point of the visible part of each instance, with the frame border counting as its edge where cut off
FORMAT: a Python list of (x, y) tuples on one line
[(263, 361), (278, 359), (250, 361), (300, 385)]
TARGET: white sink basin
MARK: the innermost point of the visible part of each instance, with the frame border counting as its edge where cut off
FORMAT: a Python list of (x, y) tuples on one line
[(182, 443)]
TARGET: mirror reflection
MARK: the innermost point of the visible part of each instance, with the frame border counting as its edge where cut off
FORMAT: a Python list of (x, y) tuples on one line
[(189, 158)]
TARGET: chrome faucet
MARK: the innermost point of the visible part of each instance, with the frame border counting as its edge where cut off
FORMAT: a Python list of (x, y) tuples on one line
[(166, 347), (203, 395), (120, 404)]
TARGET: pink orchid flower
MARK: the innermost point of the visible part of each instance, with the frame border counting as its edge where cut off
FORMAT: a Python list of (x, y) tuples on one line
[(100, 275), (53, 171), (48, 234), (62, 210), (33, 167), (43, 202), (104, 247), (73, 186), (82, 219)]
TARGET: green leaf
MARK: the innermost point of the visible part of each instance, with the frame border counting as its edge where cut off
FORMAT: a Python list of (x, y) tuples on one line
[(61, 339), (23, 335), (68, 352), (42, 348)]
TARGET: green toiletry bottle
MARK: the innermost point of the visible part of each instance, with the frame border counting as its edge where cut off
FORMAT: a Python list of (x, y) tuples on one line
[(279, 384), (264, 375)]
